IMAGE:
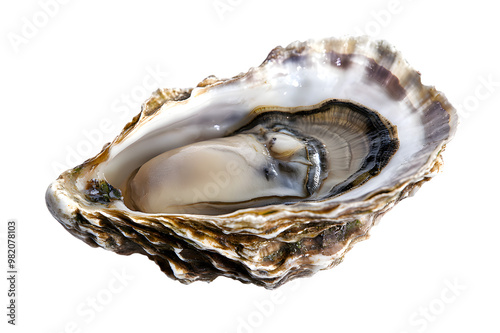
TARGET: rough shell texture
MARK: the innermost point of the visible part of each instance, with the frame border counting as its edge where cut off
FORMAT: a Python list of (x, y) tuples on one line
[(269, 245)]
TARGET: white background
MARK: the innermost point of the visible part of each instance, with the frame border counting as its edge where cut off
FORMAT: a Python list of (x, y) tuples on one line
[(437, 252)]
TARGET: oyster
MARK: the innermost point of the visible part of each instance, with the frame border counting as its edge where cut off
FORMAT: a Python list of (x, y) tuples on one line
[(268, 176)]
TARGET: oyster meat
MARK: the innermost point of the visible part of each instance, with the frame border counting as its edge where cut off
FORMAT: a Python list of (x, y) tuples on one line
[(267, 176)]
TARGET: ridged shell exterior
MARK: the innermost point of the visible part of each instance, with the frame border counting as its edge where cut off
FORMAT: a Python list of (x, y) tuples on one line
[(267, 246)]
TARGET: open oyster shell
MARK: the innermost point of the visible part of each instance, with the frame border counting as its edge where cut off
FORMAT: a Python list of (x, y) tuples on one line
[(325, 137)]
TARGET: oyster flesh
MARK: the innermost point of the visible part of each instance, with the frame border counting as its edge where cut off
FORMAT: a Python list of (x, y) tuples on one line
[(267, 176)]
